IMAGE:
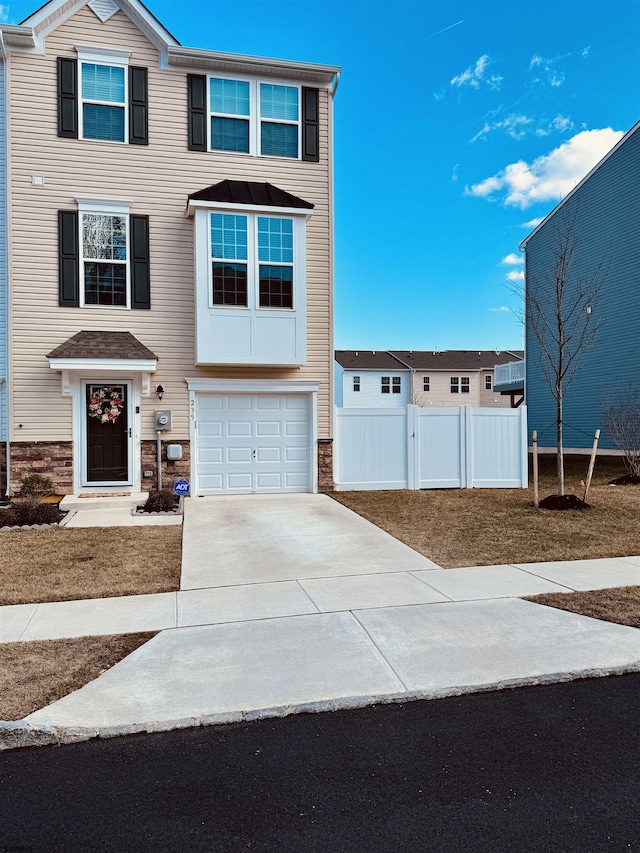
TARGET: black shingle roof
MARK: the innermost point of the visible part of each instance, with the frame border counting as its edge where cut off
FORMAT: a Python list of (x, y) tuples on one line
[(250, 192)]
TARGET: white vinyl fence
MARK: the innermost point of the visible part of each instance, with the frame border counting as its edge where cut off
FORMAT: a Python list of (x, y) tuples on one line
[(423, 448)]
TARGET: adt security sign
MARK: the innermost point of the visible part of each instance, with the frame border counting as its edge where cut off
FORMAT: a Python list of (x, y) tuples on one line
[(181, 487)]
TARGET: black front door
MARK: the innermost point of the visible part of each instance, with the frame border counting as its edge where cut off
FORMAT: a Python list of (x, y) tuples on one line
[(107, 434)]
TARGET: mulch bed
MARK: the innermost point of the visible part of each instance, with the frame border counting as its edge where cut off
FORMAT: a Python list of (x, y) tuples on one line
[(626, 480), (563, 503)]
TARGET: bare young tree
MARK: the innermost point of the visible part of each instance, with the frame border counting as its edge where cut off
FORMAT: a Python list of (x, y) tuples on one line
[(621, 417), (560, 311)]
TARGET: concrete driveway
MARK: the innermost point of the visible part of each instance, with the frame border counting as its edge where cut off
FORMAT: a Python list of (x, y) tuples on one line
[(245, 539)]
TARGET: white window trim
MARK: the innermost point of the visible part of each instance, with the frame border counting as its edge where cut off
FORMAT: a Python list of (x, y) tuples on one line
[(465, 384), (488, 382), (396, 384), (104, 207), (254, 118), (385, 387), (253, 265), (426, 381), (356, 381), (103, 56)]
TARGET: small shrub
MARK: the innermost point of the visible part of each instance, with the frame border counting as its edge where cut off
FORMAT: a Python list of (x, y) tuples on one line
[(161, 501), (35, 486)]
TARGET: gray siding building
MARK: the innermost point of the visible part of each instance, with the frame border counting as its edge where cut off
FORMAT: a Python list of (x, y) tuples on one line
[(602, 214)]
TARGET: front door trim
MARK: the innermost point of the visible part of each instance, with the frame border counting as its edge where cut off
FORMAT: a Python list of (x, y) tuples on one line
[(74, 385), (92, 484)]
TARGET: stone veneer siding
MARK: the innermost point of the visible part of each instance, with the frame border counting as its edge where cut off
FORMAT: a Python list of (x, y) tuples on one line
[(47, 458), (325, 465), (55, 460), (171, 471)]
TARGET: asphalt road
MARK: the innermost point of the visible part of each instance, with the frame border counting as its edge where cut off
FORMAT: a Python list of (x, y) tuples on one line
[(551, 768)]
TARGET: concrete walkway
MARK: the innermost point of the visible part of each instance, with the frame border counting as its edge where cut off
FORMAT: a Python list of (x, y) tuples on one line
[(295, 603)]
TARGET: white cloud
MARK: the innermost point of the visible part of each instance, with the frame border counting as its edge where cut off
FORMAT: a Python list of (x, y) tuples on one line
[(515, 275), (533, 223), (454, 173), (514, 126), (586, 51), (4, 13), (546, 70), (552, 176), (501, 309), (512, 259), (476, 75)]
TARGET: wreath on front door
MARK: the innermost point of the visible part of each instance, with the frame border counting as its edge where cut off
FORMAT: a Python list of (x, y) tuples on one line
[(105, 405)]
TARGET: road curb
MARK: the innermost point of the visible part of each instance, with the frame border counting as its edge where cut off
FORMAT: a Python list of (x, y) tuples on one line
[(20, 733)]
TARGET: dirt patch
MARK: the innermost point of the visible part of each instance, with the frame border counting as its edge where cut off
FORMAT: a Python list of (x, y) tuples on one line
[(626, 480), (564, 503), (620, 604), (475, 527), (34, 674), (62, 564)]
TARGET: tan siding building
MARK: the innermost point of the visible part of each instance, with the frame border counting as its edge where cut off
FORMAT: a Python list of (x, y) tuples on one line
[(49, 173)]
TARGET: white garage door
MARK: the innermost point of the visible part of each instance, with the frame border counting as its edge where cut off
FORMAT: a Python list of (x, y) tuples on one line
[(252, 443)]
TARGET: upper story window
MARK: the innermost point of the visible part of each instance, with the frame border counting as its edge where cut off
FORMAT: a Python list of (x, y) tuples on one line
[(248, 116), (253, 118), (390, 385), (252, 260), (356, 383), (279, 111), (101, 97), (103, 255), (487, 382), (426, 383), (104, 267), (460, 385)]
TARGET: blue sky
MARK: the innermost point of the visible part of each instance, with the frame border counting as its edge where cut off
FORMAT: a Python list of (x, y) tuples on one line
[(457, 126)]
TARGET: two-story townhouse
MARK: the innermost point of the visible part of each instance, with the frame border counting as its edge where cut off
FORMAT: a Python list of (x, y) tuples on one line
[(599, 219), (447, 378), (171, 249), (370, 379)]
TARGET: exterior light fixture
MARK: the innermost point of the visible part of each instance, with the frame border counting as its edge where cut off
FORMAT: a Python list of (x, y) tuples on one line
[(160, 391)]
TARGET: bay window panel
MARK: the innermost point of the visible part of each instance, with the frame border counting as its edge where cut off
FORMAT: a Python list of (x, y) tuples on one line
[(229, 284), (276, 287), (275, 240), (229, 236)]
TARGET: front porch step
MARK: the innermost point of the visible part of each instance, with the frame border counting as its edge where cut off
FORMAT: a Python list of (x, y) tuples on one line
[(129, 501)]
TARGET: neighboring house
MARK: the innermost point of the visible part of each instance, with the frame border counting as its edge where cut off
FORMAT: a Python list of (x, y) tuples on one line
[(603, 213), (171, 249), (449, 378), (370, 379)]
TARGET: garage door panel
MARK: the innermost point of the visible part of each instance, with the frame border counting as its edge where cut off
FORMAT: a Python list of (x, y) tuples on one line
[(269, 454), (239, 403), (210, 454), (252, 443), (239, 481), (237, 429), (268, 428), (211, 428), (239, 454)]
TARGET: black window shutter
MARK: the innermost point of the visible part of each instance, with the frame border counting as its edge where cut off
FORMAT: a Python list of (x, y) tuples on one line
[(197, 106), (310, 125), (139, 251), (138, 106), (68, 258), (68, 98)]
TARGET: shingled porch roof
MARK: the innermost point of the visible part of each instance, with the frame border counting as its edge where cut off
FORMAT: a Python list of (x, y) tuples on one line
[(103, 345)]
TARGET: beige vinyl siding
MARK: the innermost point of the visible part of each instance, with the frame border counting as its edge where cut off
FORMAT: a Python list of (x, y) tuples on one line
[(440, 393), (156, 179)]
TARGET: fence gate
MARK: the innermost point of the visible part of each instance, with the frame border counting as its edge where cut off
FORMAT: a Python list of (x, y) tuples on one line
[(419, 448)]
